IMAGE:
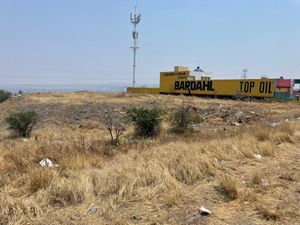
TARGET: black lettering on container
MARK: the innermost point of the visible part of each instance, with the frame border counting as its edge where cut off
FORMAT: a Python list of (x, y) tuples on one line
[(252, 84), (270, 87), (246, 87), (241, 86), (176, 85), (262, 87)]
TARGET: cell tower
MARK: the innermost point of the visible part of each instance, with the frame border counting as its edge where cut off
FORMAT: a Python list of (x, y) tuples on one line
[(244, 75), (135, 19)]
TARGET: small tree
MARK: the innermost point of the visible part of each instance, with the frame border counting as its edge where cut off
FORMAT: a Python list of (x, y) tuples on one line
[(22, 122), (4, 95), (114, 122), (147, 121)]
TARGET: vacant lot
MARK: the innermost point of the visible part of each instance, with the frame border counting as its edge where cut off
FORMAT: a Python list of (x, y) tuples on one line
[(242, 162)]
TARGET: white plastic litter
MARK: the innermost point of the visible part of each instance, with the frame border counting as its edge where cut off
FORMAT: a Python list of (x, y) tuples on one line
[(274, 125), (257, 156), (204, 212), (265, 182), (47, 163)]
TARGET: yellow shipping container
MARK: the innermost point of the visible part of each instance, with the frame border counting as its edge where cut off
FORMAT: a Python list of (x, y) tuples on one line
[(181, 83), (143, 90)]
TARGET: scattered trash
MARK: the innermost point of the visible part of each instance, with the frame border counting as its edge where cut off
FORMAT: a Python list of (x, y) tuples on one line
[(287, 120), (136, 218), (252, 112), (265, 182), (223, 163), (237, 124), (93, 209), (274, 125), (25, 140), (257, 156), (204, 212), (298, 118), (47, 163), (192, 219), (239, 114)]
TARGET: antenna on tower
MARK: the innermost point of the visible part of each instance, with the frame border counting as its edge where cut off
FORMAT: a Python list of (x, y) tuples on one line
[(135, 19)]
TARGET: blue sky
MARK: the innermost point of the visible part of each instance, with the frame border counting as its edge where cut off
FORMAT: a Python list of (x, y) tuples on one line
[(87, 41)]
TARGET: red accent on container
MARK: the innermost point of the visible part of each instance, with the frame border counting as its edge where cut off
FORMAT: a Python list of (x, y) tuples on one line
[(284, 83)]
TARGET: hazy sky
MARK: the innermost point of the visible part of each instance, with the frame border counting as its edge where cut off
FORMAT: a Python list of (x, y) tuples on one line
[(87, 41)]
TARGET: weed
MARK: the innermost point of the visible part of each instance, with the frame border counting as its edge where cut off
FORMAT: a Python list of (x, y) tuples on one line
[(266, 149), (269, 214), (262, 134), (228, 187), (39, 178)]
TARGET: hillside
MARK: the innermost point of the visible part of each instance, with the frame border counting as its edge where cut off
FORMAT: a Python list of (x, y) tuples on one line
[(242, 162)]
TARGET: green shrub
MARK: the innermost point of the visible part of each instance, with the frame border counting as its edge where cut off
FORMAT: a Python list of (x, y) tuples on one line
[(4, 95), (183, 118), (22, 123), (197, 119), (147, 121)]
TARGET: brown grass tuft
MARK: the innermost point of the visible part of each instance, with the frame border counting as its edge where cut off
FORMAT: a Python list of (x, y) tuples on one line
[(269, 214), (262, 134), (64, 191), (282, 137), (266, 149), (40, 178), (256, 179), (228, 187), (286, 128)]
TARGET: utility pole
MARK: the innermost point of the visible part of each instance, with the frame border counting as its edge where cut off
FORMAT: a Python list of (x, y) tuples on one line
[(244, 76), (135, 20)]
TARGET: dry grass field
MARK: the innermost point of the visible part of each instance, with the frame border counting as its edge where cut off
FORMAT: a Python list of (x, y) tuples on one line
[(151, 181)]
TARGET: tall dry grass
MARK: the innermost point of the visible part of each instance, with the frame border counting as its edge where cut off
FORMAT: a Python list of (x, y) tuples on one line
[(150, 171)]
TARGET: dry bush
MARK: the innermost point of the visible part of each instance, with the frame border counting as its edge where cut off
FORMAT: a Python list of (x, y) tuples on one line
[(269, 214), (191, 167), (266, 149), (68, 191), (282, 137), (256, 179), (262, 134), (89, 125), (173, 197), (247, 146), (10, 211), (134, 178), (79, 161), (115, 122), (15, 162), (286, 128), (228, 187), (40, 178), (229, 148)]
